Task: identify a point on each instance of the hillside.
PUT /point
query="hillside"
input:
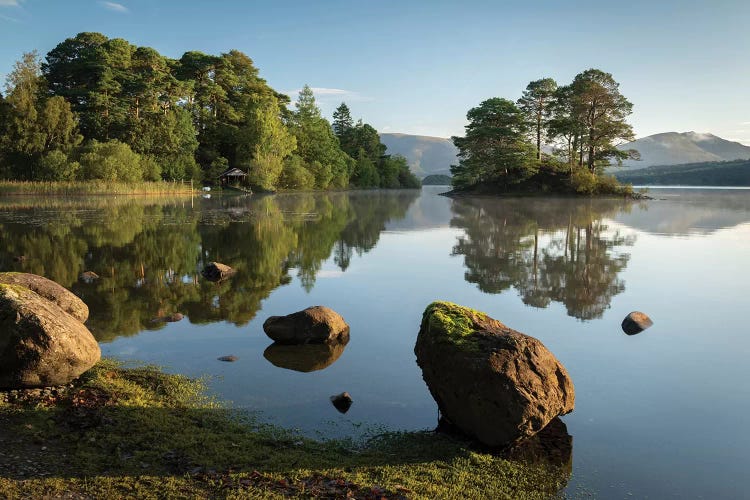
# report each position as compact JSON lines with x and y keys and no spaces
{"x":729,"y":173}
{"x":426,"y":155}
{"x":673,"y":148}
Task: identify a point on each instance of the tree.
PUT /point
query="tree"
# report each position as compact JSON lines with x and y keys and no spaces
{"x":365,"y":174}
{"x":601,"y":111}
{"x":565,"y":126}
{"x":265,"y":142}
{"x":535,"y":103}
{"x":23,"y":141}
{"x":495,"y":149}
{"x":317,"y":144}
{"x":34,"y":125}
{"x":342,"y":121}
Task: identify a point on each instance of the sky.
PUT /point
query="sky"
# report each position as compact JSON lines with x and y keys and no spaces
{"x":417,"y":67}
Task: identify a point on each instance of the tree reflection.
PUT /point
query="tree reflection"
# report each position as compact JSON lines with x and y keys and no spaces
{"x":548,"y":250}
{"x":149,"y":254}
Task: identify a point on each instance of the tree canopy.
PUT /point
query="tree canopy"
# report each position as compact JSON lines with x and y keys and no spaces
{"x":174,"y":119}
{"x":582,"y":123}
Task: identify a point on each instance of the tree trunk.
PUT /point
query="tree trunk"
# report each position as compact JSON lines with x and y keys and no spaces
{"x":539,"y":135}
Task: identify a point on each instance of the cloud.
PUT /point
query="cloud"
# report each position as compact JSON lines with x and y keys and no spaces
{"x":744,"y":123}
{"x":326,"y":93}
{"x":10,"y":3}
{"x":11,"y":19}
{"x":113,"y":6}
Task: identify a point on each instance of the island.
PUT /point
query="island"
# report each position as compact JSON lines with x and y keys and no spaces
{"x":504,"y":149}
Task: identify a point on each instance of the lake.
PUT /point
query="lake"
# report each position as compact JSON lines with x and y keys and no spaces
{"x":659,"y":414}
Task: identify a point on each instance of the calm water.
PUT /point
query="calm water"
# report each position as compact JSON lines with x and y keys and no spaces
{"x":660,"y":414}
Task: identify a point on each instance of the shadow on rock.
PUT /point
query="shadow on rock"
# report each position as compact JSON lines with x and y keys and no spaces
{"x":304,"y":358}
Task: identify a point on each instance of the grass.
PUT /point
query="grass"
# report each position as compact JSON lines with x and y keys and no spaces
{"x":140,"y":433}
{"x":94,"y":187}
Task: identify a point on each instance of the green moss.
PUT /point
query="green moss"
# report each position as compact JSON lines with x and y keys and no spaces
{"x":141,"y":433}
{"x":15,"y":289}
{"x":452,"y":323}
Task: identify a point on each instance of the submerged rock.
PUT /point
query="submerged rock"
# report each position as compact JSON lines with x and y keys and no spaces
{"x":64,"y":298}
{"x":304,"y":358}
{"x":88,"y":277}
{"x":342,"y":402}
{"x":40,"y":344}
{"x":314,"y":325}
{"x":228,"y":359}
{"x":216,"y":271}
{"x":493,"y":383}
{"x":173,"y":318}
{"x":636,"y":322}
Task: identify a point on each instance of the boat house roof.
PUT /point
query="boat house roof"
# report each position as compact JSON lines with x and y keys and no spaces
{"x":232,"y":172}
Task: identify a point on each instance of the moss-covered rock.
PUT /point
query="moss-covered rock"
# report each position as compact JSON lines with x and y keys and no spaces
{"x":40,"y":344}
{"x":493,"y":383}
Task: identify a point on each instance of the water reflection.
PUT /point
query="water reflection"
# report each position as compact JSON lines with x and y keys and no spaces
{"x":683,"y":212}
{"x":304,"y":358}
{"x":548,"y":250}
{"x":553,"y":445}
{"x":148,"y":254}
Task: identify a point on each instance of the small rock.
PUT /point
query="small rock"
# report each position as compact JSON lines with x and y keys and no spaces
{"x":228,"y":359}
{"x":342,"y":402}
{"x":314,"y":325}
{"x":216,"y":271}
{"x":636,"y":322}
{"x":173,"y":318}
{"x":88,"y":277}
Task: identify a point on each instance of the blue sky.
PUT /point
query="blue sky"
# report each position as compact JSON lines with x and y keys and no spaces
{"x":418,"y":66}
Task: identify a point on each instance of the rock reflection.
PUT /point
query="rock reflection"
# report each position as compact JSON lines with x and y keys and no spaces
{"x":551,"y":446}
{"x":304,"y":358}
{"x":548,"y":250}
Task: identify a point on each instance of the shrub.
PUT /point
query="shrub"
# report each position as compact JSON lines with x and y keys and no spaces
{"x":295,"y":175}
{"x":111,"y":161}
{"x":55,"y":166}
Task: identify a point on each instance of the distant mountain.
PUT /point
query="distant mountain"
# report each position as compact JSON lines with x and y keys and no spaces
{"x":426,"y":155}
{"x":725,"y":173}
{"x":674,"y":148}
{"x":437,"y":180}
{"x":434,"y":155}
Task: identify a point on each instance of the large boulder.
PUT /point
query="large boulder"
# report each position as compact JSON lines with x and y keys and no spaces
{"x":40,"y":344}
{"x":67,"y":300}
{"x":314,"y":325}
{"x":493,"y":383}
{"x":216,"y":271}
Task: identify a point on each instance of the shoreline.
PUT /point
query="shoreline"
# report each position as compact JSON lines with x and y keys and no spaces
{"x":138,"y":432}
